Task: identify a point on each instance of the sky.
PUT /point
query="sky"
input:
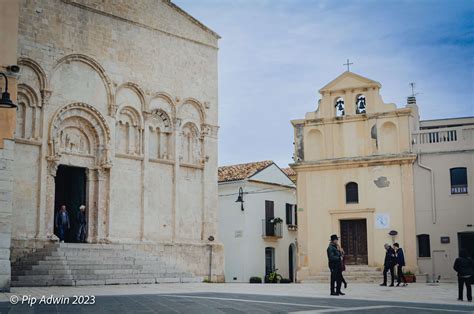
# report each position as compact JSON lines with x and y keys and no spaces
{"x":275,"y":55}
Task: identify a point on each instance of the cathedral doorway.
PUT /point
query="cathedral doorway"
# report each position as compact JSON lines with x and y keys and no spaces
{"x":70,"y":190}
{"x":354,"y":241}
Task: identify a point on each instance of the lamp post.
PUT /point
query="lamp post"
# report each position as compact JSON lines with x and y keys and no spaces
{"x":5,"y":101}
{"x":240,"y":198}
{"x":211,"y":239}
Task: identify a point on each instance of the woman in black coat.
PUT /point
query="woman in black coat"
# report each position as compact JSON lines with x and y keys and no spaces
{"x":465,"y":269}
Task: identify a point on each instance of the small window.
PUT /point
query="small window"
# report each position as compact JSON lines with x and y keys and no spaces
{"x":289,"y":214}
{"x":424,"y":249}
{"x":458,"y":180}
{"x":352,"y":193}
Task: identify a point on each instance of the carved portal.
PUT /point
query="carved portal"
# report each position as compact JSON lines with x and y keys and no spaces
{"x":79,"y":136}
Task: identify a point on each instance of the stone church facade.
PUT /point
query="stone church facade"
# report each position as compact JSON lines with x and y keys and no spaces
{"x":118,"y":103}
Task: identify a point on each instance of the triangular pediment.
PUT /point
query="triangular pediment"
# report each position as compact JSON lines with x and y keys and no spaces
{"x":349,"y":80}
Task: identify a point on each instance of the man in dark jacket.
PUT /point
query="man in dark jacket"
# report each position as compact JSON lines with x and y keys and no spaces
{"x":62,"y":222}
{"x":400,"y":264}
{"x":463,"y":265}
{"x":82,"y":223}
{"x":389,"y":265}
{"x":335,"y":266}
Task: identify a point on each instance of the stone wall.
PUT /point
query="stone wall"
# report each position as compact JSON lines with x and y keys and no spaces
{"x":6,"y":187}
{"x":130,"y":94}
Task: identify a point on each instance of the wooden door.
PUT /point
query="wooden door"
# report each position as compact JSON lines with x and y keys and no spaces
{"x":354,"y":241}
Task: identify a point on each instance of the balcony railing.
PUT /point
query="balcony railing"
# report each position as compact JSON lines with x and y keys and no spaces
{"x":435,"y":137}
{"x":271,"y":229}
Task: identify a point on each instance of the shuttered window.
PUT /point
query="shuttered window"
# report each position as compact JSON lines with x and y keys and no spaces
{"x":289,"y":214}
{"x":352,"y":193}
{"x":458,"y":180}
{"x":424,"y":249}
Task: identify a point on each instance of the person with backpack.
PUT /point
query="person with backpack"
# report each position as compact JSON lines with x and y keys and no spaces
{"x":463,"y":265}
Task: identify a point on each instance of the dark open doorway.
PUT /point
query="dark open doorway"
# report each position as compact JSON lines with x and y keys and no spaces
{"x":466,"y":242}
{"x":70,"y":190}
{"x":291,"y":269}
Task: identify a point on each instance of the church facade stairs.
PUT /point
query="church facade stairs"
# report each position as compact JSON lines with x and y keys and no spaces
{"x":70,"y":264}
{"x":353,"y":273}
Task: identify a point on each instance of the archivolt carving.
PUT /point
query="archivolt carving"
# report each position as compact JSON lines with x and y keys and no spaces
{"x":160,"y":135}
{"x":43,"y":81}
{"x":96,"y":67}
{"x":165,"y":97}
{"x":137,"y":90}
{"x":80,"y":129}
{"x":28,"y":124}
{"x":199,"y":107}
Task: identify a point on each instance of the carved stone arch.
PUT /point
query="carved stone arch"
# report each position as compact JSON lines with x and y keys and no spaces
{"x":29,"y":114}
{"x":191,"y":144}
{"x":37,"y":69}
{"x":160,"y":132}
{"x":138,"y":90}
{"x":168,"y":99}
{"x":134,"y":115}
{"x":161,"y":118}
{"x":85,"y":118}
{"x":97,"y":68}
{"x":199,"y":107}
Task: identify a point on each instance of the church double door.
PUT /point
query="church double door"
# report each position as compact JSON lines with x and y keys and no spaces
{"x":354,"y":241}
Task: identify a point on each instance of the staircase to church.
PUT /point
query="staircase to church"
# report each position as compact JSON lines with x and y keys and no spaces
{"x":353,"y":273}
{"x":69,"y":264}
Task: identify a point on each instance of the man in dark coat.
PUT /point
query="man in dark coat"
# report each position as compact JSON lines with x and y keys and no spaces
{"x":62,"y":222}
{"x":82,"y":223}
{"x":400,"y":264}
{"x":463,"y":265}
{"x":335,"y":266}
{"x":389,"y":265}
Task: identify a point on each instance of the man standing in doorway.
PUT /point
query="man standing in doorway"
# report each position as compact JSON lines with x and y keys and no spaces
{"x":62,"y":222}
{"x":400,"y":264}
{"x":82,"y":223}
{"x":335,"y":266}
{"x":389,"y":265}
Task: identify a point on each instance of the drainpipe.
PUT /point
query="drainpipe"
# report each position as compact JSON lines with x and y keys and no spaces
{"x":433,"y":203}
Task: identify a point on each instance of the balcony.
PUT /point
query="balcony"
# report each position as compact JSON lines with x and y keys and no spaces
{"x":444,"y":139}
{"x":271,"y":230}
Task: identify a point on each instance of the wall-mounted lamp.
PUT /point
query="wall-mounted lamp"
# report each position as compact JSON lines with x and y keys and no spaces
{"x":5,"y":101}
{"x":393,"y":234}
{"x":240,"y":198}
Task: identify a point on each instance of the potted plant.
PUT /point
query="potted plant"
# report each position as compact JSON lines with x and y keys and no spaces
{"x":255,"y":279}
{"x":410,"y":276}
{"x":273,"y":277}
{"x":285,"y":280}
{"x":276,"y":220}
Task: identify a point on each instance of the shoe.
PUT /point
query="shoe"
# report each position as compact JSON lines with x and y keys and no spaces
{"x":345,"y":285}
{"x":460,"y":300}
{"x":334,"y":294}
{"x":392,"y":285}
{"x":398,"y":284}
{"x":469,"y":300}
{"x":405,"y":284}
{"x":62,"y":241}
{"x":340,"y":293}
{"x":383,"y":284}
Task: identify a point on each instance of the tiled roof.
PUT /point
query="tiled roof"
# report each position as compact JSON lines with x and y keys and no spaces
{"x":289,"y":171}
{"x":242,"y":171}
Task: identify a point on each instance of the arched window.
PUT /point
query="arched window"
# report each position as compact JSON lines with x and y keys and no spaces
{"x":340,"y":109}
{"x":159,"y":138}
{"x":360,"y":104}
{"x":129,"y":132}
{"x":458,"y":180}
{"x":352,"y":193}
{"x":190,"y":144}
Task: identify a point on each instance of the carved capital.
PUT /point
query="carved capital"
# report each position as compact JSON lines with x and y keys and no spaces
{"x":53,"y":163}
{"x":45,"y":96}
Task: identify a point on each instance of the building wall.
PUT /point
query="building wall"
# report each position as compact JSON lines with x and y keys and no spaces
{"x":98,"y":81}
{"x":451,"y":213}
{"x":373,"y":149}
{"x":241,"y":231}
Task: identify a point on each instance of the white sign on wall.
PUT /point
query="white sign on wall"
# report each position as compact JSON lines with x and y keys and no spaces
{"x":382,"y":221}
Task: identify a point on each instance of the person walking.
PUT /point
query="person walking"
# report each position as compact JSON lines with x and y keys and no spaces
{"x":335,"y":266}
{"x":82,"y":224}
{"x":62,"y":222}
{"x":343,"y":265}
{"x":389,"y":265}
{"x":463,"y":265}
{"x":400,"y":264}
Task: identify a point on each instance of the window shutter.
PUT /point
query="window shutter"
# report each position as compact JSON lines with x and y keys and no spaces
{"x":288,"y":214}
{"x":424,"y":249}
{"x":296,"y":214}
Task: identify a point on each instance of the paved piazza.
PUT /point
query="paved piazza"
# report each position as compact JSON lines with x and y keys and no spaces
{"x":242,"y":298}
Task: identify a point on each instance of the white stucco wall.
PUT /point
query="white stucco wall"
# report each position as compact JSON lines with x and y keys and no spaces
{"x":245,"y":255}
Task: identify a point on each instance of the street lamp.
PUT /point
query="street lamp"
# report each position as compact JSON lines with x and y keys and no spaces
{"x":240,"y":198}
{"x":5,"y":101}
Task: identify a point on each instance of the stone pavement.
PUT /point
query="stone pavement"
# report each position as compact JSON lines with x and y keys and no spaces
{"x":445,"y":293}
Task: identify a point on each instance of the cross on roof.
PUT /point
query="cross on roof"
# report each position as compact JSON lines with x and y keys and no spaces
{"x":348,"y":64}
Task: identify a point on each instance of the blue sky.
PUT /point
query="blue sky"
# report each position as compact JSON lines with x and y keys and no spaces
{"x":275,"y":55}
